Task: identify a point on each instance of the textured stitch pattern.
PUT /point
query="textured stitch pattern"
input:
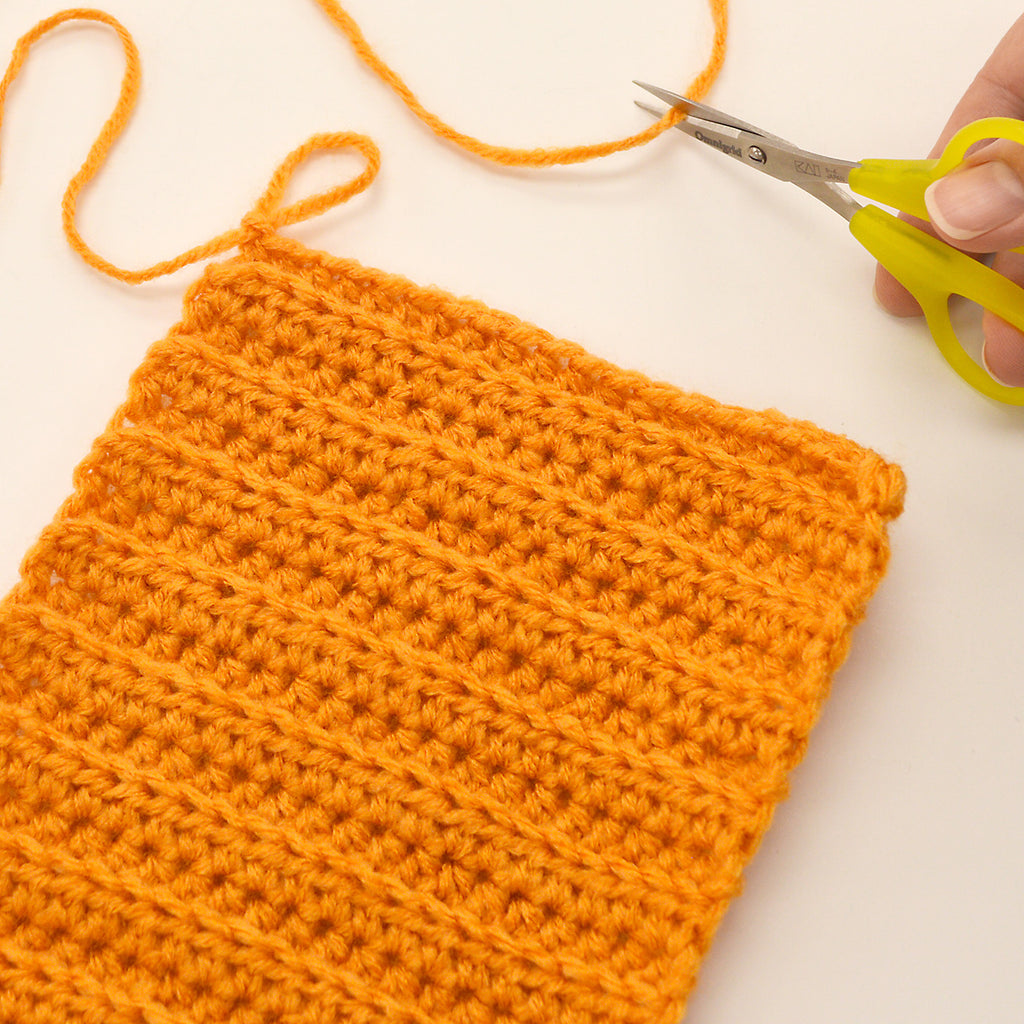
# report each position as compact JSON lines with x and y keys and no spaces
{"x":396,"y":661}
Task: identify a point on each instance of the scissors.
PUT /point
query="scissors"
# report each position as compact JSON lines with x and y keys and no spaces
{"x":932,"y":271}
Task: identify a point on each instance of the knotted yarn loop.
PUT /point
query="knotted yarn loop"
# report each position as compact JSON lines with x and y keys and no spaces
{"x":268,"y":215}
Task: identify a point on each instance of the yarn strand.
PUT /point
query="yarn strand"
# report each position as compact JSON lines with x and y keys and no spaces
{"x":513,"y":157}
{"x":267,"y":207}
{"x":267,"y":212}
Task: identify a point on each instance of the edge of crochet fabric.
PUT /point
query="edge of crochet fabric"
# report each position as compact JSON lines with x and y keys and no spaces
{"x":394,"y":660}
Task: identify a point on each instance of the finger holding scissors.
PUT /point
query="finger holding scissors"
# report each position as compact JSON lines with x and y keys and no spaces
{"x":983,"y":198}
{"x":930,"y":269}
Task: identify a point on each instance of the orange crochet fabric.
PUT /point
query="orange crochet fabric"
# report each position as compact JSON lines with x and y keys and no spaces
{"x":394,"y":661}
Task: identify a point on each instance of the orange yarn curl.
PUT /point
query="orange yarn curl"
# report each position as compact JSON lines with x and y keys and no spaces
{"x":317,"y":204}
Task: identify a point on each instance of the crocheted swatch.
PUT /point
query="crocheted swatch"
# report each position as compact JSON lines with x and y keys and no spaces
{"x":396,"y":661}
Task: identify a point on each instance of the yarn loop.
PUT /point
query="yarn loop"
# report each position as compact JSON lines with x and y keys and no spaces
{"x":313,"y":205}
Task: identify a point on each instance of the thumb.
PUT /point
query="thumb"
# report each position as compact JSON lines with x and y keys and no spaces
{"x":979,"y":207}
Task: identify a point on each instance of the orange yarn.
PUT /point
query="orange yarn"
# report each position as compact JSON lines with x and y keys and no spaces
{"x":229,"y":239}
{"x":396,"y":661}
{"x":533,"y":157}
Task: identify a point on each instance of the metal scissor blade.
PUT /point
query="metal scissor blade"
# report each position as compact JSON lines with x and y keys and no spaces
{"x":718,"y":117}
{"x":705,"y":113}
{"x":763,"y":151}
{"x":817,"y":175}
{"x":731,"y":141}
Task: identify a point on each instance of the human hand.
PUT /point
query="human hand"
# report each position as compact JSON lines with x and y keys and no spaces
{"x":979,"y":207}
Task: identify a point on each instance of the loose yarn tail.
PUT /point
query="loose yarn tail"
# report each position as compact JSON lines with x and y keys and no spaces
{"x":509,"y":156}
{"x":268,"y":214}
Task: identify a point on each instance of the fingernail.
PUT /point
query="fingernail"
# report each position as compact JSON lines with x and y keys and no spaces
{"x":1005,"y":363}
{"x":971,"y":202}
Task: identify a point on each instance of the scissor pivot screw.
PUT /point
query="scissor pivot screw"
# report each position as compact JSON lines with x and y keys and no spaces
{"x":758,"y":155}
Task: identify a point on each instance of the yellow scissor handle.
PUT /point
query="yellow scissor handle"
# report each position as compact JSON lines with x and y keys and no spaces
{"x":901,"y":184}
{"x":929,"y":269}
{"x":932,"y":272}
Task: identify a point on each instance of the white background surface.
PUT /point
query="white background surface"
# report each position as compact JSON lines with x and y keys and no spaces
{"x":890,"y":886}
